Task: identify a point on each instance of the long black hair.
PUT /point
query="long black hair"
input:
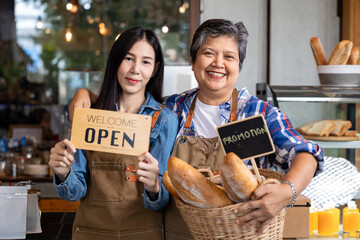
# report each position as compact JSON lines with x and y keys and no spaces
{"x":111,"y":90}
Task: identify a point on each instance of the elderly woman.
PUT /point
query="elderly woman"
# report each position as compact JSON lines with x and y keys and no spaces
{"x":217,"y":53}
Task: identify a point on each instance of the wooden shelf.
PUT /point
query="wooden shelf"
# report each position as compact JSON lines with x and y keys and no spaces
{"x":58,"y":205}
{"x":6,"y":178}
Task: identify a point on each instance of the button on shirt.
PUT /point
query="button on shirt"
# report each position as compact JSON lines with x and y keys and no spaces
{"x":287,"y":141}
{"x":162,"y":140}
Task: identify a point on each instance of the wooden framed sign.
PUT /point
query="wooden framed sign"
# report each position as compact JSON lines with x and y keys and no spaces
{"x":110,"y":131}
{"x":248,"y":138}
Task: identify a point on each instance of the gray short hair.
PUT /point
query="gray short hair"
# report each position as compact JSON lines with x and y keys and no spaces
{"x":216,"y":28}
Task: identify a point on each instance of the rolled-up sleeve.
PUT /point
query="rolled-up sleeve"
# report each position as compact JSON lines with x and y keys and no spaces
{"x":288,"y":142}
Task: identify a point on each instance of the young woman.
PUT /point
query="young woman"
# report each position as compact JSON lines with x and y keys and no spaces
{"x":114,"y":204}
{"x":217,"y":53}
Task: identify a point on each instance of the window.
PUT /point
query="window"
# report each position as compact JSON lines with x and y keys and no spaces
{"x":76,"y":35}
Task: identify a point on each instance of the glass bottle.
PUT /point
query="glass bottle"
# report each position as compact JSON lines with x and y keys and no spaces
{"x":328,"y":222}
{"x":351,"y":219}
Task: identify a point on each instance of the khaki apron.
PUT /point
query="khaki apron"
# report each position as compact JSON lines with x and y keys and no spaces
{"x":199,"y":152}
{"x":113,"y":207}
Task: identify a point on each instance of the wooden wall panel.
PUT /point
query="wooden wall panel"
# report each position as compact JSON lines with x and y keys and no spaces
{"x":351,"y":21}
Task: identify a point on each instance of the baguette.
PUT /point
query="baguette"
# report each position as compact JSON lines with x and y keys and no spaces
{"x":193,"y":187}
{"x":168,"y":185}
{"x":341,"y":53}
{"x":238,"y":181}
{"x":318,"y":51}
{"x":354,"y":56}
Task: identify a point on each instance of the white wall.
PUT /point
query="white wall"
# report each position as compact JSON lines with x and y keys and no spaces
{"x":253,"y":14}
{"x":293,"y":23}
{"x":178,"y":79}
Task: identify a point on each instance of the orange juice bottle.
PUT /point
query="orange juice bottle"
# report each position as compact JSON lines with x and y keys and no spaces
{"x":313,"y":224}
{"x":328,"y":222}
{"x":351,"y":219}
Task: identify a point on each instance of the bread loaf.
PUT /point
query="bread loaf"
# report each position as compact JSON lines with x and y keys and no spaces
{"x":324,"y":128}
{"x":238,"y":181}
{"x":168,"y":185}
{"x":351,"y":133}
{"x":341,"y":127}
{"x":193,"y":187}
{"x":318,"y":51}
{"x":303,"y":128}
{"x":341,"y":53}
{"x":354,"y":56}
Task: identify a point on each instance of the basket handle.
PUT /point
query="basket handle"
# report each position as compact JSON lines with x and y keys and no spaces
{"x":205,"y":170}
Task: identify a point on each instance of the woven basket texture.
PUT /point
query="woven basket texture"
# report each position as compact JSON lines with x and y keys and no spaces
{"x":219,"y":223}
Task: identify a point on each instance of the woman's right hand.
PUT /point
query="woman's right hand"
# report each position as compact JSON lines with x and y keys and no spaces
{"x":62,"y":158}
{"x":81,"y":99}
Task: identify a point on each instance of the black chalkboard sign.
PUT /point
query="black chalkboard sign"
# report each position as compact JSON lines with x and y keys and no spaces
{"x":247,"y":138}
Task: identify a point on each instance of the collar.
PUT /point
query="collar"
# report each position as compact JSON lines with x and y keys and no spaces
{"x":150,"y":102}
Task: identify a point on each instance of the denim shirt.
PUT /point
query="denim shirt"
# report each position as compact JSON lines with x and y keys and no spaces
{"x":162,"y":140}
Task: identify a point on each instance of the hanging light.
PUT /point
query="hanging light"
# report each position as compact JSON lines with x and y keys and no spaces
{"x":165,"y":29}
{"x":69,"y":5}
{"x":68,"y":35}
{"x":182,"y":9}
{"x":102,"y":29}
{"x":74,"y":9}
{"x":87,"y":6}
{"x":39,"y":24}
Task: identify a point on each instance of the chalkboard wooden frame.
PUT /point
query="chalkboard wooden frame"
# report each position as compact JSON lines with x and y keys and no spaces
{"x":242,"y":126}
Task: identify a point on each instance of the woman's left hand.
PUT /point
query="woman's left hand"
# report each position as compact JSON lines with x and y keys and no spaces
{"x":266,"y":201}
{"x":147,"y":171}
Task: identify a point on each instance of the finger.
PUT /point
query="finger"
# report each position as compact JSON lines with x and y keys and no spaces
{"x":56,"y":152}
{"x":146,"y":174}
{"x":69,"y":146}
{"x":255,"y":218}
{"x":63,"y":159}
{"x":56,"y":164}
{"x":259,"y":192}
{"x":263,"y":226}
{"x":247,"y":206}
{"x":65,"y":144}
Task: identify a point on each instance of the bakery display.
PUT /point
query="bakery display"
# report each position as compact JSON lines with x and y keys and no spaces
{"x":344,"y":53}
{"x":333,"y":129}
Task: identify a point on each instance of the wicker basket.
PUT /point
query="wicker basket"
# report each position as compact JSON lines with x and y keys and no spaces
{"x":219,"y":223}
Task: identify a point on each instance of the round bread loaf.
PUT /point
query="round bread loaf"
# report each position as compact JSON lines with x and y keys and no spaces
{"x":238,"y":181}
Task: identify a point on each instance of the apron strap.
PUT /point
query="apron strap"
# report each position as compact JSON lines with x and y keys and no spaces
{"x":155,"y":116}
{"x":190,"y":114}
{"x":234,"y":102}
{"x":233,"y":114}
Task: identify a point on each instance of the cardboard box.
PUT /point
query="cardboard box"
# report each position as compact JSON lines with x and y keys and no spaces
{"x":297,"y":219}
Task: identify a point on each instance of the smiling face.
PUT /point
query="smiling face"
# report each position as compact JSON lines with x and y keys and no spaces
{"x":216,"y":68}
{"x":136,"y":69}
